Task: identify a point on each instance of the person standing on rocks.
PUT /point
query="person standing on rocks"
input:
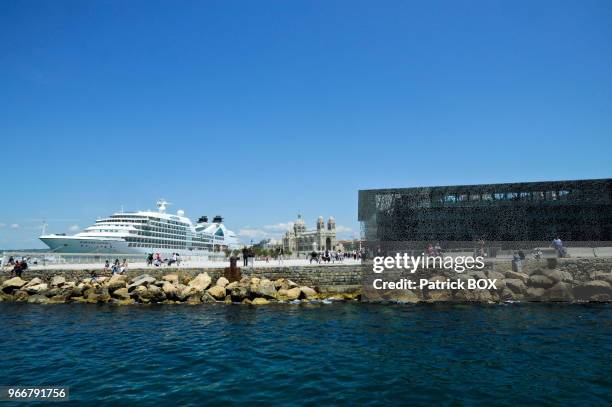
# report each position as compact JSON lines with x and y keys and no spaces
{"x":19,"y":267}
{"x":115,"y":268}
{"x":517,"y":263}
{"x":558,"y":245}
{"x":124,"y":266}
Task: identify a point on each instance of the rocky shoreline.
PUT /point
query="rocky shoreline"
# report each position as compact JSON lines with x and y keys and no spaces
{"x":169,"y":289}
{"x":566,"y":280}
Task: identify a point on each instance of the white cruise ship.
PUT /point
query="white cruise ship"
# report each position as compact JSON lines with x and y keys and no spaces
{"x":147,"y":232}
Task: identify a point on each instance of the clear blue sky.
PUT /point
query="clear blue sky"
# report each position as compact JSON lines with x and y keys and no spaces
{"x":259,"y":110}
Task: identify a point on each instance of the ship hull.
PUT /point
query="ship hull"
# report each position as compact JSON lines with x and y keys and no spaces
{"x":71,"y":244}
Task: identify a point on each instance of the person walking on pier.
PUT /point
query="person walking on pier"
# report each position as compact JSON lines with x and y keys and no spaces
{"x":281,"y":252}
{"x":245,"y":256}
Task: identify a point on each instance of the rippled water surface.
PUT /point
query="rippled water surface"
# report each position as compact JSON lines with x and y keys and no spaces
{"x":353,"y":354}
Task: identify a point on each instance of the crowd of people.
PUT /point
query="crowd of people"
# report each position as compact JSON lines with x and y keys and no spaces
{"x":434,"y":250}
{"x":328,"y":256}
{"x":117,"y":267}
{"x":19,"y":266}
{"x":156,"y":259}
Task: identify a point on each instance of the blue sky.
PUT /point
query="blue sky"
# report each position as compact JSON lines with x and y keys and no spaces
{"x":262,"y":110}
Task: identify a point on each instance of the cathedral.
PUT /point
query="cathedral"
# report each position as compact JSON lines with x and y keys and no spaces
{"x":301,"y":242}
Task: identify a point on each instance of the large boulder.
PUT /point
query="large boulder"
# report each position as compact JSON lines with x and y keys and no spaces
{"x":290,"y":284}
{"x":59,"y":299}
{"x":508,"y":295}
{"x":34,"y":281}
{"x":14,"y":283}
{"x":535,"y":294}
{"x":240,"y":292}
{"x":201,"y":282}
{"x":259,"y":301}
{"x":58,"y":281}
{"x":97,"y":294}
{"x":116,"y":282}
{"x":539,"y":281}
{"x":207,"y":298}
{"x":154,"y":294}
{"x":217,"y":292}
{"x":170,"y":290}
{"x":121,"y":294}
{"x":265,"y":289}
{"x":38,"y":299}
{"x":482,"y":296}
{"x":492,"y":274}
{"x":597,"y":290}
{"x":399,"y":296}
{"x":516,"y":285}
{"x":126,"y":301}
{"x":222,"y":282}
{"x":184,"y":292}
{"x":143,"y":280}
{"x":475,"y":274}
{"x":519,"y":276}
{"x":284,"y":284}
{"x":307,"y":292}
{"x":443,"y":295}
{"x":556,"y":276}
{"x":53,"y":291}
{"x":139,"y":294}
{"x":603,"y":277}
{"x":20,"y":295}
{"x":194,"y":298}
{"x":559,"y":292}
{"x":36,"y":289}
{"x":77,"y":291}
{"x":171,"y":278}
{"x":289,"y":294}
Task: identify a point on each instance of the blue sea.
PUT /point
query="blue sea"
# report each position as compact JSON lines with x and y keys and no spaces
{"x":340,"y":354}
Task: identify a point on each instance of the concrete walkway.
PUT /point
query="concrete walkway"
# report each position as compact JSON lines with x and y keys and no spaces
{"x":197,"y":264}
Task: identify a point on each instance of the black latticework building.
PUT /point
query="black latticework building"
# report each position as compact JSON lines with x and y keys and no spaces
{"x":578,"y":211}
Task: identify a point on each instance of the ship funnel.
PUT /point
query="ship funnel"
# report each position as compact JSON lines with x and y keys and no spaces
{"x":203,"y":219}
{"x":218,"y":219}
{"x":162,"y":204}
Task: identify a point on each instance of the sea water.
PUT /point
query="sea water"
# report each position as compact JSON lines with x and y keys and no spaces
{"x":320,"y":354}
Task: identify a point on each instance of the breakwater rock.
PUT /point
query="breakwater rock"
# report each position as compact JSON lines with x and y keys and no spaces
{"x":168,"y":289}
{"x":564,"y":280}
{"x":567,"y":280}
